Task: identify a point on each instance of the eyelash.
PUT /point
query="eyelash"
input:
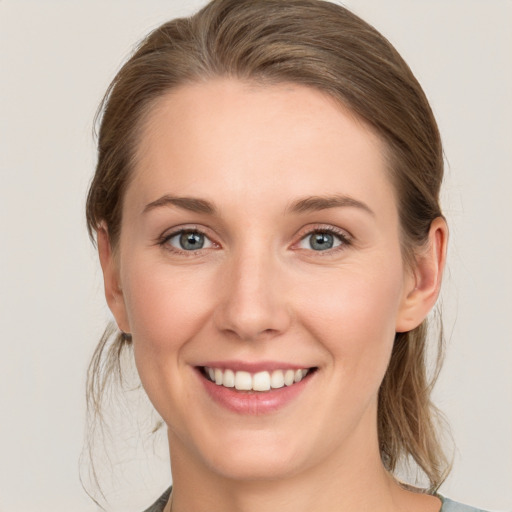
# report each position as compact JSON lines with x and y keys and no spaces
{"x":342,"y":236}
{"x":163,"y":241}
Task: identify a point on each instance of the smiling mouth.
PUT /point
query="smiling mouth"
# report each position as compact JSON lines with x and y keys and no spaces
{"x":261,"y":382}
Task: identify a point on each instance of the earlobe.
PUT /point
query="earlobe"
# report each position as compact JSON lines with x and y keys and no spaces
{"x":112,"y":285}
{"x":423,"y":289}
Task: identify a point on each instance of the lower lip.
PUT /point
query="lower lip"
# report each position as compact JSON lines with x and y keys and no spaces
{"x":255,"y":402}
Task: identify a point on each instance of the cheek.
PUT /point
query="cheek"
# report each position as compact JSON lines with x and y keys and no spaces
{"x":164,"y":307}
{"x":354,"y":312}
{"x":167,"y":309}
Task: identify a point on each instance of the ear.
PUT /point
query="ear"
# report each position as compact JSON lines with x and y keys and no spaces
{"x":113,"y":290}
{"x":424,"y":284}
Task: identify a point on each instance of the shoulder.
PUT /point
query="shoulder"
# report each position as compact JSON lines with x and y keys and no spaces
{"x":160,"y":503}
{"x":454,"y":506}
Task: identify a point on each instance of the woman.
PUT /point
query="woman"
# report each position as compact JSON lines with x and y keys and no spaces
{"x":266,"y":209}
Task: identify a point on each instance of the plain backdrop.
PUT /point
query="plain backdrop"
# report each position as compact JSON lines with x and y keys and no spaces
{"x":56,"y":60}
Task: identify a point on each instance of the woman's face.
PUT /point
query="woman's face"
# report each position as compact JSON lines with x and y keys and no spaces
{"x":260,"y":242}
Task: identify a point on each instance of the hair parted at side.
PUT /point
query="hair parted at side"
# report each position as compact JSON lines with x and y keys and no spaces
{"x":321,"y":45}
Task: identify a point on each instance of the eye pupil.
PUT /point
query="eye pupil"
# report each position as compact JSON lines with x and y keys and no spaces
{"x":191,"y":241}
{"x":322,"y":241}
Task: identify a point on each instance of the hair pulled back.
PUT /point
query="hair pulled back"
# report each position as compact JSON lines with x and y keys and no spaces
{"x":320,"y":45}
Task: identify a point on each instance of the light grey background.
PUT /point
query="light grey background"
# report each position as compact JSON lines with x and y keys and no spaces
{"x":56,"y":59}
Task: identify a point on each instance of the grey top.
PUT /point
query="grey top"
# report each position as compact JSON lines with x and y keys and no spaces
{"x":453,"y":506}
{"x":448,"y":505}
{"x":160,"y":503}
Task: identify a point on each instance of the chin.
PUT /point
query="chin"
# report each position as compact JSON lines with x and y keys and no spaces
{"x":244,"y":454}
{"x":257,"y":465}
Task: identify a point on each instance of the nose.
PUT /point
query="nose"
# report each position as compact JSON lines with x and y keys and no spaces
{"x":253,"y":305}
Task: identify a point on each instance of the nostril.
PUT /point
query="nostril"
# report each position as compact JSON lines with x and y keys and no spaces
{"x":245,"y":312}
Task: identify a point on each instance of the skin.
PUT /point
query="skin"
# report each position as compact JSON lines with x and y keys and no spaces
{"x":259,"y":291}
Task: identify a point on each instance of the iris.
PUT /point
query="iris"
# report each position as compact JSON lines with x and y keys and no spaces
{"x":191,"y":241}
{"x":321,"y":241}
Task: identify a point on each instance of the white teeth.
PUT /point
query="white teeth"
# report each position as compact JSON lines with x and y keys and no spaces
{"x":260,"y":381}
{"x":229,"y":379}
{"x":277,"y":379}
{"x":289,"y":377}
{"x":243,"y":381}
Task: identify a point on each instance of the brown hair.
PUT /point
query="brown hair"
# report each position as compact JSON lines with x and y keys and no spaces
{"x":320,"y":45}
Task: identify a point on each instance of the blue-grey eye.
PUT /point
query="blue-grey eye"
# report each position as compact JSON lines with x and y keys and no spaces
{"x":189,"y":241}
{"x":320,"y":241}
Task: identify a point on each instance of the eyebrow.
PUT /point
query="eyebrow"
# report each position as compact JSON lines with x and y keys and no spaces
{"x":187,"y":203}
{"x":303,"y":205}
{"x":316,"y":203}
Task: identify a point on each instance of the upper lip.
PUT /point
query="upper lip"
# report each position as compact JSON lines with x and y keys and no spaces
{"x":254,"y":366}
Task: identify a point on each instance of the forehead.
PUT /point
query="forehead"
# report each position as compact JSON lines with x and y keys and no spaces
{"x":227,"y":137}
